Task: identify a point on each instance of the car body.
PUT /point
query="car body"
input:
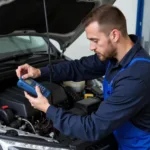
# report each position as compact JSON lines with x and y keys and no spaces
{"x":25,"y":29}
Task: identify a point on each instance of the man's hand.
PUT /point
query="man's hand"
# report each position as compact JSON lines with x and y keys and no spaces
{"x":25,"y":71}
{"x":41,"y":103}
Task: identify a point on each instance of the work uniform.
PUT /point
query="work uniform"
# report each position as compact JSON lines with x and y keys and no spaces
{"x":125,"y":110}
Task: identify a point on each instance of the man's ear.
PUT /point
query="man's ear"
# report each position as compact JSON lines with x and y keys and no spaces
{"x":115,"y":35}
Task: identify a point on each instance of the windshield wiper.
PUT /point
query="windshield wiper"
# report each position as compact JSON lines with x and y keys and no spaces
{"x":21,"y":56}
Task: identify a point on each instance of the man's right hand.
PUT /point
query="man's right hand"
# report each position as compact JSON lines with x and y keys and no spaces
{"x":26,"y":71}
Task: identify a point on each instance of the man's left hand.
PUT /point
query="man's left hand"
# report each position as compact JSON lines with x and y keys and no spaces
{"x":40,"y":102}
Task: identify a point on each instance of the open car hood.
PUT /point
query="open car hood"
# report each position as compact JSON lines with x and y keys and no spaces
{"x":23,"y":17}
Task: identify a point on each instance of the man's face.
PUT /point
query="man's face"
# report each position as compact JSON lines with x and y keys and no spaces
{"x":100,"y":43}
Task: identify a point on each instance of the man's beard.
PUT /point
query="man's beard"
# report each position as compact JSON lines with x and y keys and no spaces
{"x":102,"y":57}
{"x":110,"y":54}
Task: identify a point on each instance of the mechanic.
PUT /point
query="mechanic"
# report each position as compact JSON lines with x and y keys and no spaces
{"x":125,"y":110}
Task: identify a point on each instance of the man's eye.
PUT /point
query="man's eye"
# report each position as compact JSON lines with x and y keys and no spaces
{"x":95,"y":41}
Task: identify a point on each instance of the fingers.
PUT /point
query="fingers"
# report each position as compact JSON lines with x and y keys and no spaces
{"x":18,"y":72}
{"x":38,"y":91}
{"x":22,"y":70}
{"x":30,"y":98}
{"x":40,"y":103}
{"x":25,"y":76}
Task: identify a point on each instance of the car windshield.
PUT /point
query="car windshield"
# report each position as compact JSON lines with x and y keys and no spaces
{"x":18,"y":44}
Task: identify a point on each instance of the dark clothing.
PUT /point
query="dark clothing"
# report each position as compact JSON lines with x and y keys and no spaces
{"x":129,"y":100}
{"x":128,"y":136}
{"x":86,"y":68}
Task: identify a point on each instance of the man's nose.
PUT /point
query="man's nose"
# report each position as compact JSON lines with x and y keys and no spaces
{"x":92,"y":46}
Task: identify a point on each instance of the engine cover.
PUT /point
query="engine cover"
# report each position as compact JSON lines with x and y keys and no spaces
{"x":14,"y":98}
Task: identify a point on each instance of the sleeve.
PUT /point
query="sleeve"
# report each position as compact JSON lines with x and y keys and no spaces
{"x":127,"y":99}
{"x":86,"y":68}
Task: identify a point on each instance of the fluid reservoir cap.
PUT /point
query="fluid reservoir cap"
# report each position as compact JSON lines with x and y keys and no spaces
{"x":75,"y":86}
{"x":4,"y":107}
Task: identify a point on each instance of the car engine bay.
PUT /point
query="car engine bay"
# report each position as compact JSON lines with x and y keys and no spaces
{"x":16,"y":111}
{"x":19,"y":118}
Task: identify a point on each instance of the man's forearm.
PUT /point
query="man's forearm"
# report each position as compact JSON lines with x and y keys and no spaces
{"x":86,"y":68}
{"x":85,"y":128}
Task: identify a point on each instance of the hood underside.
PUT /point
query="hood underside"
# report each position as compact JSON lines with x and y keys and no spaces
{"x":64,"y":17}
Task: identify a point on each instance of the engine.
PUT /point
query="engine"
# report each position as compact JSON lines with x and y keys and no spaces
{"x":16,"y":111}
{"x":14,"y":98}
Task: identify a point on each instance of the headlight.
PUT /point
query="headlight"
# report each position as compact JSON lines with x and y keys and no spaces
{"x":6,"y":144}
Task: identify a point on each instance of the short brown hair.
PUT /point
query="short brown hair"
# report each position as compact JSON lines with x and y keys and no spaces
{"x":109,"y":17}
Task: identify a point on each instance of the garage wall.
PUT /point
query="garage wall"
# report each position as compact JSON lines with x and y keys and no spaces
{"x":129,"y":8}
{"x":81,"y":46}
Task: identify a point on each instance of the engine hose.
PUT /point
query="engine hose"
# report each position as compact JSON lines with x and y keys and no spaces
{"x":28,"y":123}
